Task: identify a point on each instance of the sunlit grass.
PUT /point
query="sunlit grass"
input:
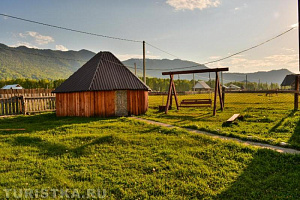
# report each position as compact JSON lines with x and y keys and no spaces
{"x":133,"y":160}
{"x":266,"y":119}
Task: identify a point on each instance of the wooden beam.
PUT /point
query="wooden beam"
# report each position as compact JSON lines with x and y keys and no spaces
{"x":264,"y":91}
{"x":175,"y":95}
{"x":219,"y":91}
{"x":232,"y":118}
{"x":215,"y":97}
{"x":197,"y":71}
{"x":169,"y":94}
{"x":223,"y":96}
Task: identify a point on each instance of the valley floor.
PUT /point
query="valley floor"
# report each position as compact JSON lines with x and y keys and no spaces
{"x":267,"y":119}
{"x":134,"y":160}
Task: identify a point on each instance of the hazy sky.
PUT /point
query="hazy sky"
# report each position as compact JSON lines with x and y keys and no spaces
{"x":196,"y":30}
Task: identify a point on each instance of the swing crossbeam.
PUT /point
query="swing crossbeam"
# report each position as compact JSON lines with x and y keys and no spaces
{"x":200,"y":102}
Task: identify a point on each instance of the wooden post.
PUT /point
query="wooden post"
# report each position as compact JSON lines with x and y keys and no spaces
{"x":175,"y":95}
{"x":223,"y":96}
{"x":144,"y":62}
{"x":23,"y":105}
{"x":220,"y":93}
{"x":215,"y":97}
{"x":296,"y":98}
{"x":169,"y":94}
{"x":135,"y":68}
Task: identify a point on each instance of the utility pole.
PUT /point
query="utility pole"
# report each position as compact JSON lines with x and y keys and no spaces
{"x":299,"y":32}
{"x":258,"y":83}
{"x":135,"y":68}
{"x":194,"y":82}
{"x":144,"y":62}
{"x":246,"y":82}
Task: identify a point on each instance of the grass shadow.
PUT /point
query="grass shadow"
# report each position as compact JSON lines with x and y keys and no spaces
{"x":295,"y":138}
{"x":273,"y":129}
{"x":41,"y":122}
{"x":186,"y":118}
{"x":47,"y":148}
{"x":270,"y":175}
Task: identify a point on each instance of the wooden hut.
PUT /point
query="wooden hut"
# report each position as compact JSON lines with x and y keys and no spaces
{"x":102,"y":87}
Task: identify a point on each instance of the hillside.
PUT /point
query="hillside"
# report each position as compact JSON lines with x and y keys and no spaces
{"x":16,"y":64}
{"x":23,"y":62}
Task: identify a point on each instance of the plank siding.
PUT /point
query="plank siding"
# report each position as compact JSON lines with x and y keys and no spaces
{"x":99,"y":103}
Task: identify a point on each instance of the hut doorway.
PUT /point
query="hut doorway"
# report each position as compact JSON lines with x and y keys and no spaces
{"x":121,"y":103}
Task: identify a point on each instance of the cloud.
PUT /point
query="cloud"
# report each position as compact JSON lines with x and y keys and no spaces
{"x":123,"y":57}
{"x":26,"y":44}
{"x":61,"y":47}
{"x":38,"y":38}
{"x":277,"y":61}
{"x":294,"y":25}
{"x":193,"y":4}
{"x":240,"y":8}
{"x":214,"y":57}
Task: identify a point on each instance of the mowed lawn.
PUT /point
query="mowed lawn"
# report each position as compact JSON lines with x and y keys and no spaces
{"x":266,"y":119}
{"x":133,"y":160}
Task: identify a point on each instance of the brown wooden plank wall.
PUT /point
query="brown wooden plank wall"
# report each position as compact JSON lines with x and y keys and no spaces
{"x":86,"y":104}
{"x":99,"y":103}
{"x":137,"y":102}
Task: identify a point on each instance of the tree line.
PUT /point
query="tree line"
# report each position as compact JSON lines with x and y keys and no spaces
{"x":156,"y":84}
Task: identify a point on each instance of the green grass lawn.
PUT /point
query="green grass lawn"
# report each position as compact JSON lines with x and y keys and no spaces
{"x":266,"y":119}
{"x":133,"y":160}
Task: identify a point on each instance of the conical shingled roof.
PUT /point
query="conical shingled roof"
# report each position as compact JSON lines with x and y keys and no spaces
{"x":102,"y":72}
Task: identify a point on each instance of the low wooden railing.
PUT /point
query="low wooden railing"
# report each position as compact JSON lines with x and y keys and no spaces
{"x":26,"y":105}
{"x":11,"y":106}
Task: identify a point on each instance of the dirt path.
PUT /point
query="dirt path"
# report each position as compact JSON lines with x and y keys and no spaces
{"x":256,"y":144}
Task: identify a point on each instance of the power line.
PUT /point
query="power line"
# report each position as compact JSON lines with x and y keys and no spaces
{"x":237,"y":53}
{"x":69,"y":29}
{"x":162,"y":50}
{"x":130,"y":40}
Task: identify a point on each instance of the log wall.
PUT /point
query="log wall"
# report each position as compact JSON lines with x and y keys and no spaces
{"x":99,"y":103}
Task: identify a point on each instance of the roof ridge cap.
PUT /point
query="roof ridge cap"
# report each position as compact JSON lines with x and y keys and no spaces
{"x":100,"y":60}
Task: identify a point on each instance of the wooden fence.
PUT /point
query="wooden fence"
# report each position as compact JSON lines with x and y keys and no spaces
{"x":26,"y":101}
{"x":26,"y":93}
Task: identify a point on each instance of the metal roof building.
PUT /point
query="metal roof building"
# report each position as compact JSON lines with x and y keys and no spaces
{"x":102,"y":87}
{"x":14,"y":86}
{"x":289,"y":80}
{"x":201,"y":85}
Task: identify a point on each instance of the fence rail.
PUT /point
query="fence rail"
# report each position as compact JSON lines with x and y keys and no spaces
{"x":25,"y":92}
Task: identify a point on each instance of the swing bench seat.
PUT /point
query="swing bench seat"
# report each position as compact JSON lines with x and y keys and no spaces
{"x":196,"y":103}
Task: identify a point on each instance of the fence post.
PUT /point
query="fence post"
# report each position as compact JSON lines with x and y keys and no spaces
{"x":223,"y":95}
{"x":296,"y":98}
{"x":23,"y":105}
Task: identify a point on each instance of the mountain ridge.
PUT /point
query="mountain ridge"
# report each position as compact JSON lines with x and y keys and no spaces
{"x":24,"y":62}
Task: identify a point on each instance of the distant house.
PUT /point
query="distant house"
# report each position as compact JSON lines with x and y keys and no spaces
{"x":289,"y":81}
{"x":14,"y":86}
{"x":233,"y":87}
{"x":201,"y":86}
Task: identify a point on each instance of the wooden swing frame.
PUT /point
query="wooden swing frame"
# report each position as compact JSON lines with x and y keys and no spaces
{"x":218,"y":89}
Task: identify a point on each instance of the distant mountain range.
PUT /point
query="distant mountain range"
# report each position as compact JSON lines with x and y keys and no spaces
{"x":23,"y":62}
